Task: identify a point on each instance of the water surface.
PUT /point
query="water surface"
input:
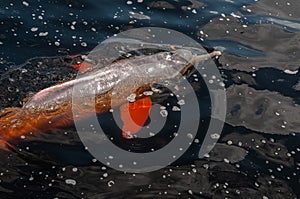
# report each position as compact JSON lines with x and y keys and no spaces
{"x":257,"y":155}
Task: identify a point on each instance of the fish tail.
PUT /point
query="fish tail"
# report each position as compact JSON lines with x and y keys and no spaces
{"x":14,"y":122}
{"x":17,"y":122}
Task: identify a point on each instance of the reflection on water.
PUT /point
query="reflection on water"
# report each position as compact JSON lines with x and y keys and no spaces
{"x":257,"y":155}
{"x":261,"y":110}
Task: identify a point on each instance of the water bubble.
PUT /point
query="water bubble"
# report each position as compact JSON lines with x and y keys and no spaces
{"x":175,"y":108}
{"x":163,"y":107}
{"x":131,"y":97}
{"x":70,"y":181}
{"x":110,"y":183}
{"x":190,"y":136}
{"x":84,"y":44}
{"x":43,"y":34}
{"x":215,"y":136}
{"x":181,"y":102}
{"x":34,"y":29}
{"x":147,"y":93}
{"x":164,"y":113}
{"x":25,"y":3}
{"x":229,"y":142}
{"x":111,"y":157}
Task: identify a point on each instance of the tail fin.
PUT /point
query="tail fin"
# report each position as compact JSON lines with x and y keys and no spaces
{"x":18,"y":122}
{"x":15,"y":122}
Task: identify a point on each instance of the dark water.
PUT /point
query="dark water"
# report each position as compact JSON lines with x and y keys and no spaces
{"x":257,"y":155}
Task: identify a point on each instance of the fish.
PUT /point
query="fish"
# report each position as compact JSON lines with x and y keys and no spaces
{"x":99,"y":91}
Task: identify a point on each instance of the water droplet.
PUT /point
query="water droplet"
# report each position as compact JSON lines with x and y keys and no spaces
{"x":25,"y":3}
{"x":215,"y":136}
{"x":110,"y":183}
{"x":181,"y":102}
{"x":70,"y":181}
{"x":175,"y":108}
{"x":164,"y":113}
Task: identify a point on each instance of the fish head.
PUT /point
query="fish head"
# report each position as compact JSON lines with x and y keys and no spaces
{"x":163,"y":65}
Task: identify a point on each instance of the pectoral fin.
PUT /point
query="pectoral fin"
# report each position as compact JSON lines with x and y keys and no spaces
{"x":80,"y":64}
{"x":134,"y":116}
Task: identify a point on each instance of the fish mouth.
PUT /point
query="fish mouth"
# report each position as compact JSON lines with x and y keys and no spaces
{"x":193,"y":63}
